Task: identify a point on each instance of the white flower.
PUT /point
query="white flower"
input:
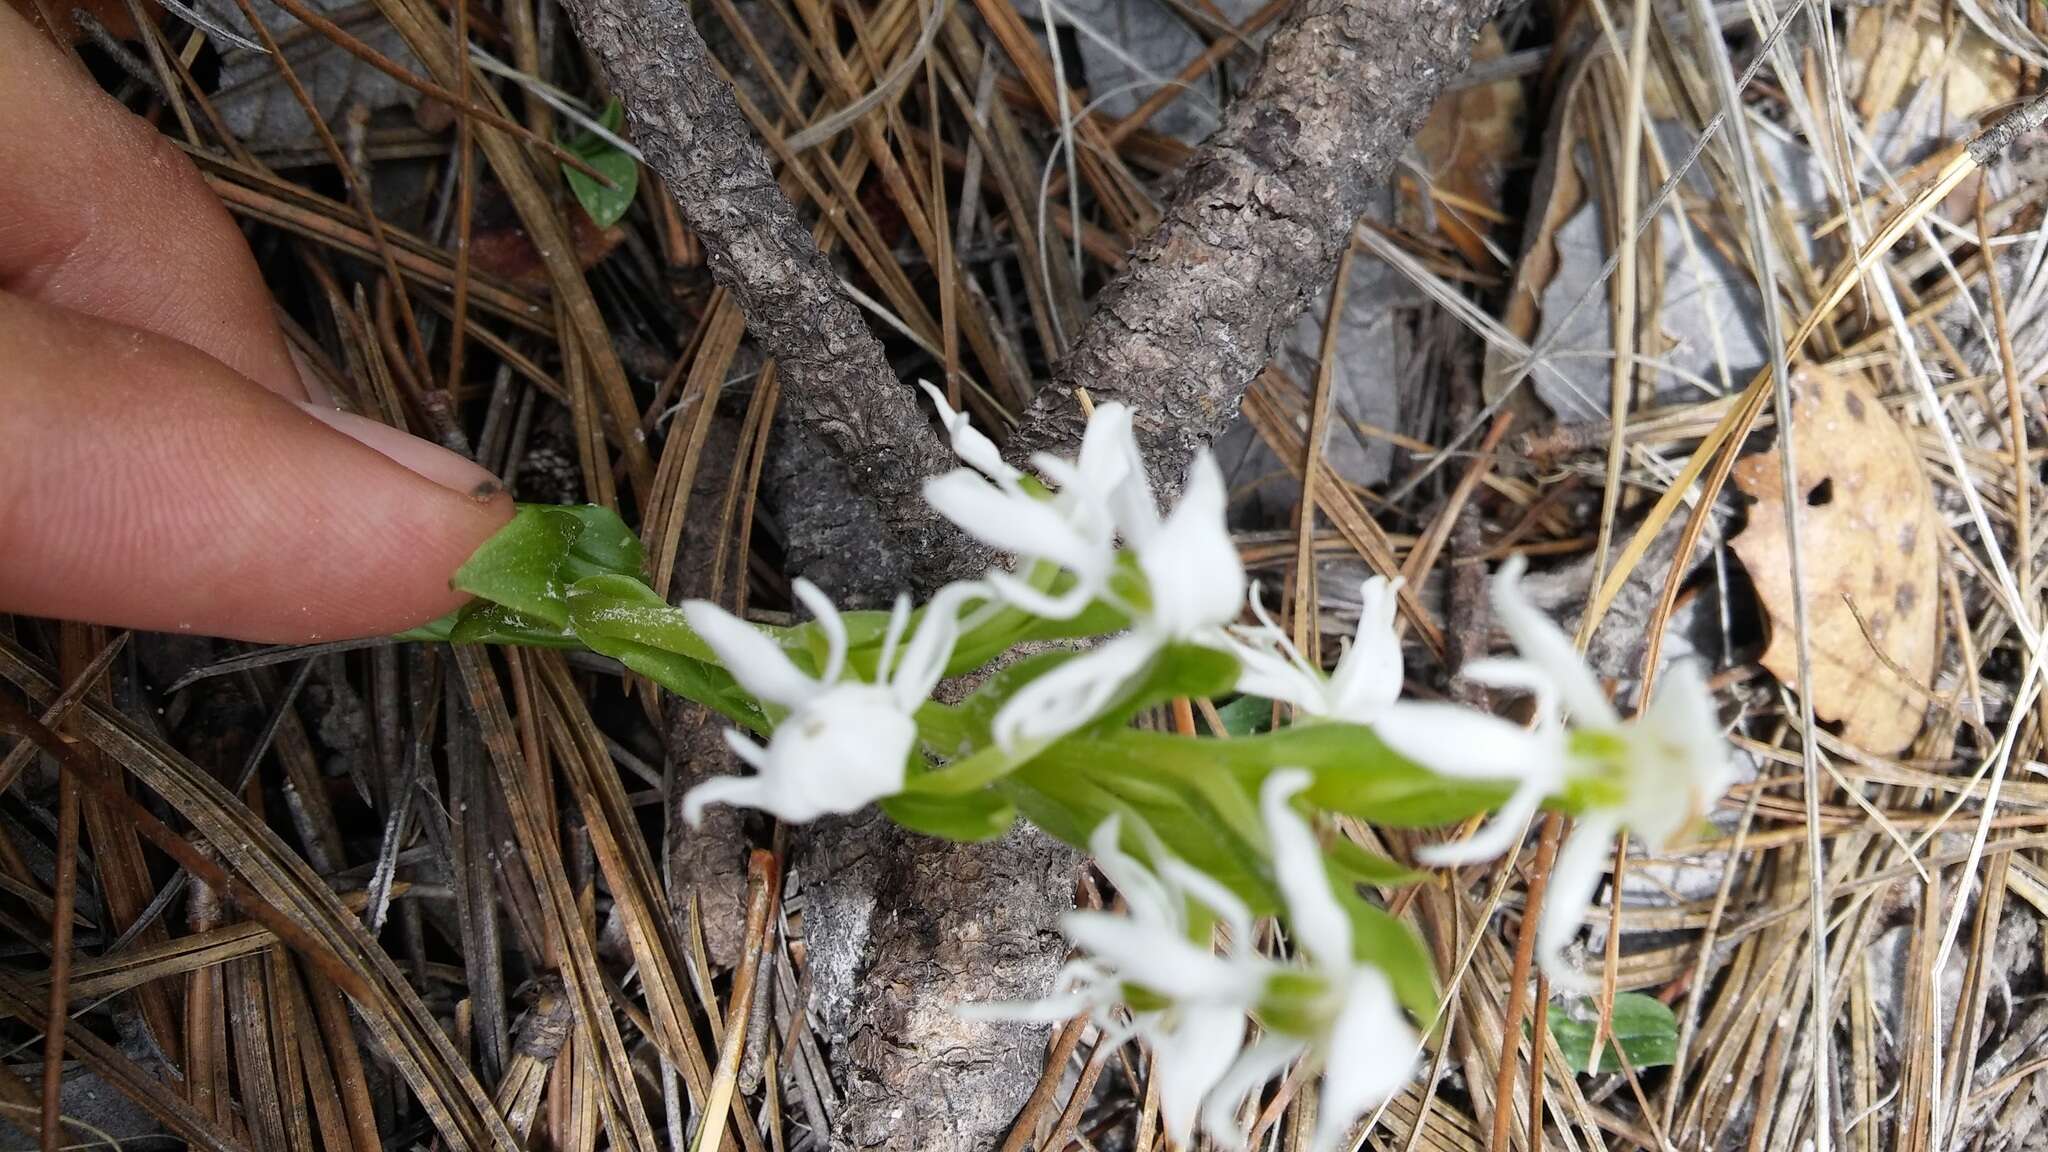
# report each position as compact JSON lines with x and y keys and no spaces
{"x":844,"y":743}
{"x":1365,"y":1045}
{"x":1190,"y":1005}
{"x":1073,"y":528}
{"x":1653,"y":775}
{"x":1193,"y":1003}
{"x":974,"y":450}
{"x":1193,"y":586}
{"x":1366,"y":681}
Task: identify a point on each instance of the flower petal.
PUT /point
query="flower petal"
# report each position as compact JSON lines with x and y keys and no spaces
{"x":1368,"y":675}
{"x":1190,"y":563}
{"x":1071,"y":695}
{"x":1013,"y":522}
{"x":1188,"y":1061}
{"x":1370,"y":1056}
{"x":1065,"y":606}
{"x":1544,"y":644}
{"x":738,"y":791}
{"x":1236,"y":916}
{"x":1452,"y":740}
{"x":1573,"y":881}
{"x":974,"y":449}
{"x":1264,"y":1060}
{"x":925,"y":657}
{"x":1263,"y":670}
{"x":827,"y":616}
{"x":757,"y":662}
{"x":1161,"y":960}
{"x":1319,"y":922}
{"x":1149,"y":901}
{"x":1495,"y":837}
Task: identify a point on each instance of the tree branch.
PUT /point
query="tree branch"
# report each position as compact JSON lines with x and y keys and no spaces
{"x":836,"y":382}
{"x":1256,"y":223}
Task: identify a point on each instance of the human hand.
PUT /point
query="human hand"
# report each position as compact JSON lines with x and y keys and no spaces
{"x":161,"y":463}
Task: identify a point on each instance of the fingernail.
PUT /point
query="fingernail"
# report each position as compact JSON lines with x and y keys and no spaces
{"x":309,"y":378}
{"x":423,"y":457}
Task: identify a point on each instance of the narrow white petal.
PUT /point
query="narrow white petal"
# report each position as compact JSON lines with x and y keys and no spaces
{"x":1161,"y":960}
{"x":757,"y":662}
{"x":1495,"y":837}
{"x":1222,"y":901}
{"x":1318,"y":920}
{"x":1263,"y":671}
{"x":974,"y":449}
{"x":899,"y":619}
{"x":738,"y":791}
{"x":1074,"y":693}
{"x":925,"y":657}
{"x":1452,"y":740}
{"x":827,"y":616}
{"x":1264,"y":1060}
{"x":1016,"y":523}
{"x":1065,"y":606}
{"x":1190,"y":563}
{"x":841,"y":752}
{"x":1189,"y":1060}
{"x":1368,"y":676}
{"x":1370,"y":1056}
{"x":1150,"y":902}
{"x":1573,"y":880}
{"x":1544,"y":644}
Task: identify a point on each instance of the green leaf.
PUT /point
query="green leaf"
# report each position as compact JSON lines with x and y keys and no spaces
{"x":1247,"y":716}
{"x":1377,"y":938}
{"x":969,"y":818}
{"x":605,"y":545}
{"x":1351,"y":771}
{"x":1355,"y":864}
{"x":620,"y":608}
{"x":1643,"y":1026}
{"x":605,"y":206}
{"x":519,"y":567}
{"x":1178,"y":670}
{"x":482,"y":622}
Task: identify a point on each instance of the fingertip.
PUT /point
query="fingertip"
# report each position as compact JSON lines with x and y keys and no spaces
{"x":143,"y":484}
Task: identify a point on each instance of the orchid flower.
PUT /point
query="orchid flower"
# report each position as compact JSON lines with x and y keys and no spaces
{"x":1188,"y":1004}
{"x":1366,"y":681}
{"x":1356,"y":1029}
{"x":1653,"y":775}
{"x":1073,"y":527}
{"x":1193,"y":586}
{"x":844,"y":742}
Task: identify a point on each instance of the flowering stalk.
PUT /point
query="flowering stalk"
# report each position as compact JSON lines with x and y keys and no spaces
{"x":837,"y":714}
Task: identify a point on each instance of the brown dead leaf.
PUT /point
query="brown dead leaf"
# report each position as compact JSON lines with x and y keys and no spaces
{"x":1467,"y":145}
{"x":1869,"y":538}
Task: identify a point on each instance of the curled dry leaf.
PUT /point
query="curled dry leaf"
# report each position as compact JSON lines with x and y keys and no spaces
{"x":1871,"y":547}
{"x":1466,"y":146}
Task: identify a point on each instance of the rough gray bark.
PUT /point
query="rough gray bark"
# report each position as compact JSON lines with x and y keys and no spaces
{"x":901,"y":930}
{"x":1256,"y":223}
{"x":708,"y":862}
{"x":835,"y":380}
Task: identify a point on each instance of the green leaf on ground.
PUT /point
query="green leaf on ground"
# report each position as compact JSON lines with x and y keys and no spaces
{"x":605,"y":206}
{"x":1642,"y":1025}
